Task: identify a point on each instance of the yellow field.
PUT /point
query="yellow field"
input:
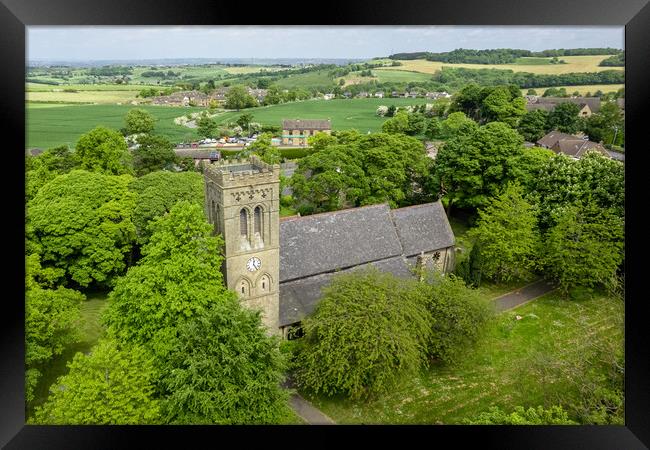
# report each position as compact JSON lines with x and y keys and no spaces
{"x":582,"y":89}
{"x":101,"y":97}
{"x":354,"y":80}
{"x":574,"y":64}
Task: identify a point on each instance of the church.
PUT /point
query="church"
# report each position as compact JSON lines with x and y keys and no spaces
{"x":280,"y":265}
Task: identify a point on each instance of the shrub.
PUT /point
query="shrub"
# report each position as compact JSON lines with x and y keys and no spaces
{"x":364,"y":335}
{"x":520,"y":416}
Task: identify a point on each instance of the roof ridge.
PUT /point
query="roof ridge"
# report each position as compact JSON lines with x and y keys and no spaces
{"x":376,"y":205}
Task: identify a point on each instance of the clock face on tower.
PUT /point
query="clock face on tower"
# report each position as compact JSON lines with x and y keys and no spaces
{"x":253,"y":264}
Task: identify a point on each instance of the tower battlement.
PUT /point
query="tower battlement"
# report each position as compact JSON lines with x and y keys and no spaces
{"x":242,"y":171}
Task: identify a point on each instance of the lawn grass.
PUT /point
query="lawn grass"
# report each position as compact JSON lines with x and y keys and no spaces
{"x":51,"y":126}
{"x":91,"y":330}
{"x":574,"y":64}
{"x":496,"y":372}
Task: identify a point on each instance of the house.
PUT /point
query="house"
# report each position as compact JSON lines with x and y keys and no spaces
{"x":570,"y":145}
{"x":347,"y":94}
{"x":588,"y":105}
{"x":258,"y":94}
{"x":328,"y":96}
{"x":205,"y":155}
{"x":437,"y":95}
{"x":379,"y":94}
{"x":279,"y":266}
{"x":394,"y":94}
{"x":362,"y":95}
{"x":411,"y":94}
{"x":182,"y":98}
{"x":296,"y":132}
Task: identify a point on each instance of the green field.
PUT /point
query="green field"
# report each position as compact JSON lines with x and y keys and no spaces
{"x":499,"y":370}
{"x":398,"y":76}
{"x":306,"y":80}
{"x":358,"y":113}
{"x":48,"y":126}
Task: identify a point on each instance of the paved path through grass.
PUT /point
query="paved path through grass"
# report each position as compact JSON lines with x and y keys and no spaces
{"x":307,"y":412}
{"x":523,"y":295}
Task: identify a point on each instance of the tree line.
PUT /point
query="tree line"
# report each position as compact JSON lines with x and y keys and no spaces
{"x":499,"y":56}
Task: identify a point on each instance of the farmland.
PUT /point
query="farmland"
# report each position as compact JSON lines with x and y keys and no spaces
{"x":585,"y":89}
{"x":358,"y":113}
{"x":51,"y":125}
{"x":573,"y":64}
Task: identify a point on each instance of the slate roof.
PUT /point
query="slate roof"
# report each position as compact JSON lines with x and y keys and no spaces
{"x":197,"y":153}
{"x":337,"y":240}
{"x":577,"y":147}
{"x":552,"y":138}
{"x":306,"y":124}
{"x":299,"y":298}
{"x":592,"y":102}
{"x":315,"y":248}
{"x":423,"y":228}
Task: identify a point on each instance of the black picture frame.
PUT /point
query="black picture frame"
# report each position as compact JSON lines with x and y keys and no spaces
{"x":15,"y":15}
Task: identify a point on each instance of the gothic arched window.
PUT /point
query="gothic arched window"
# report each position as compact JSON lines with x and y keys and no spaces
{"x":258,"y":220}
{"x":243,"y":223}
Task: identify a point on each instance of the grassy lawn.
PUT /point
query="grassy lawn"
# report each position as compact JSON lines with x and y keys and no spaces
{"x":90,"y":329}
{"x":574,"y":64}
{"x":497,"y":371}
{"x":48,"y":126}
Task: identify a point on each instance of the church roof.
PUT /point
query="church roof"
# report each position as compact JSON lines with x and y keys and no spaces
{"x":306,"y":124}
{"x":423,"y":228}
{"x":336,"y":240}
{"x":315,"y":248}
{"x":299,"y":298}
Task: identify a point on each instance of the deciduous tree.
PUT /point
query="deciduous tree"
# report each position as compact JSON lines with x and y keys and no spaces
{"x":103,"y":150}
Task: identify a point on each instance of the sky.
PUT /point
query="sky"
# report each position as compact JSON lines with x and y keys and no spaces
{"x":75,"y":43}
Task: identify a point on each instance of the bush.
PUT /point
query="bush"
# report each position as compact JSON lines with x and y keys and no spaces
{"x":457,"y":315}
{"x":520,"y":416}
{"x":366,"y":333}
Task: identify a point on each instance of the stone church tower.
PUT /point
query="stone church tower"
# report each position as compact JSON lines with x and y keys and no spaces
{"x":243,"y":203}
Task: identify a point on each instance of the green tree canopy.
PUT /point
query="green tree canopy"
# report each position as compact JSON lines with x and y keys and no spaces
{"x":585,"y":247}
{"x":399,"y":123}
{"x":51,"y":322}
{"x":178,"y":276}
{"x":157,"y":192}
{"x":153,"y":153}
{"x":263,"y":148}
{"x":606,"y":125}
{"x":356,"y":343}
{"x":457,"y":123}
{"x":238,"y":98}
{"x":224,"y":369}
{"x":526,"y":167}
{"x":104,"y":151}
{"x":564,"y":117}
{"x":81,"y":222}
{"x":472,"y":166}
{"x":362,"y":170}
{"x":138,"y":121}
{"x":534,"y":125}
{"x":206,"y":126}
{"x":110,"y":386}
{"x":507,"y":233}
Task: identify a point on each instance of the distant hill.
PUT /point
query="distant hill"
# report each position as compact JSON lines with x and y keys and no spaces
{"x":500,"y":55}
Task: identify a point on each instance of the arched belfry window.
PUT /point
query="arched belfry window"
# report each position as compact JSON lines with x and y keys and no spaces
{"x":258,"y":220}
{"x":243,"y":223}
